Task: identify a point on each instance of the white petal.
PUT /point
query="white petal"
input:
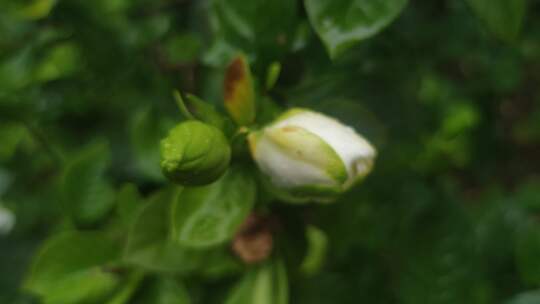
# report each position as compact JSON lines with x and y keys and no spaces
{"x":354,"y":150}
{"x":285,"y":171}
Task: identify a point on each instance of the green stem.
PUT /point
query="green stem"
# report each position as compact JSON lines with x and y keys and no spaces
{"x":181,"y":105}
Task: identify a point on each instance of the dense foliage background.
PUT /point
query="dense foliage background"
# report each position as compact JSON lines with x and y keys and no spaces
{"x":448,"y":92}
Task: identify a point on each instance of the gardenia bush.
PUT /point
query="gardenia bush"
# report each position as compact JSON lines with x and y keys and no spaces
{"x":269,"y":151}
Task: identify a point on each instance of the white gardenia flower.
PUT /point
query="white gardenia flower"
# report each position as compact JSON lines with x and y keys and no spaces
{"x":7,"y":220}
{"x":310,"y":155}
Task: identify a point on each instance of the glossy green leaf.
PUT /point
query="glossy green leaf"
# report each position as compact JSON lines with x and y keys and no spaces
{"x":148,"y":243}
{"x":342,"y":24}
{"x":87,"y":195}
{"x":210,"y":215}
{"x":502,"y":17}
{"x":265,"y":284}
{"x":150,"y":246}
{"x":72,"y":267}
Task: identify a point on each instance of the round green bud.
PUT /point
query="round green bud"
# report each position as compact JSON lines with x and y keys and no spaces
{"x":194,"y":153}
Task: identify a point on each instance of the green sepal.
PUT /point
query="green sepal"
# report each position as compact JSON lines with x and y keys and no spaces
{"x":302,"y":145}
{"x":301,"y":195}
{"x":193,"y":107}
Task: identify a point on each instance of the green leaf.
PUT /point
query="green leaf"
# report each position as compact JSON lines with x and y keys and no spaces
{"x":341,"y":24}
{"x":240,"y":26}
{"x":128,"y":202}
{"x":150,"y":247}
{"x":210,"y":215}
{"x":71,"y":267}
{"x":87,"y":195}
{"x":165,"y":290}
{"x":147,"y":245}
{"x":266,"y":284}
{"x":502,"y":17}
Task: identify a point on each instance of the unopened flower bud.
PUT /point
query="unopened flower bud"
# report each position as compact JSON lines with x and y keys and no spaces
{"x":311,"y":156}
{"x":194,"y":153}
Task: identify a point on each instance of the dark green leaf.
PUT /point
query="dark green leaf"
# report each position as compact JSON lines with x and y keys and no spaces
{"x":341,"y":24}
{"x":240,"y":25}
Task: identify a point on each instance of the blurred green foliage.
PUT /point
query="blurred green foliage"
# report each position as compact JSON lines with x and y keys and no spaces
{"x":447,"y":90}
